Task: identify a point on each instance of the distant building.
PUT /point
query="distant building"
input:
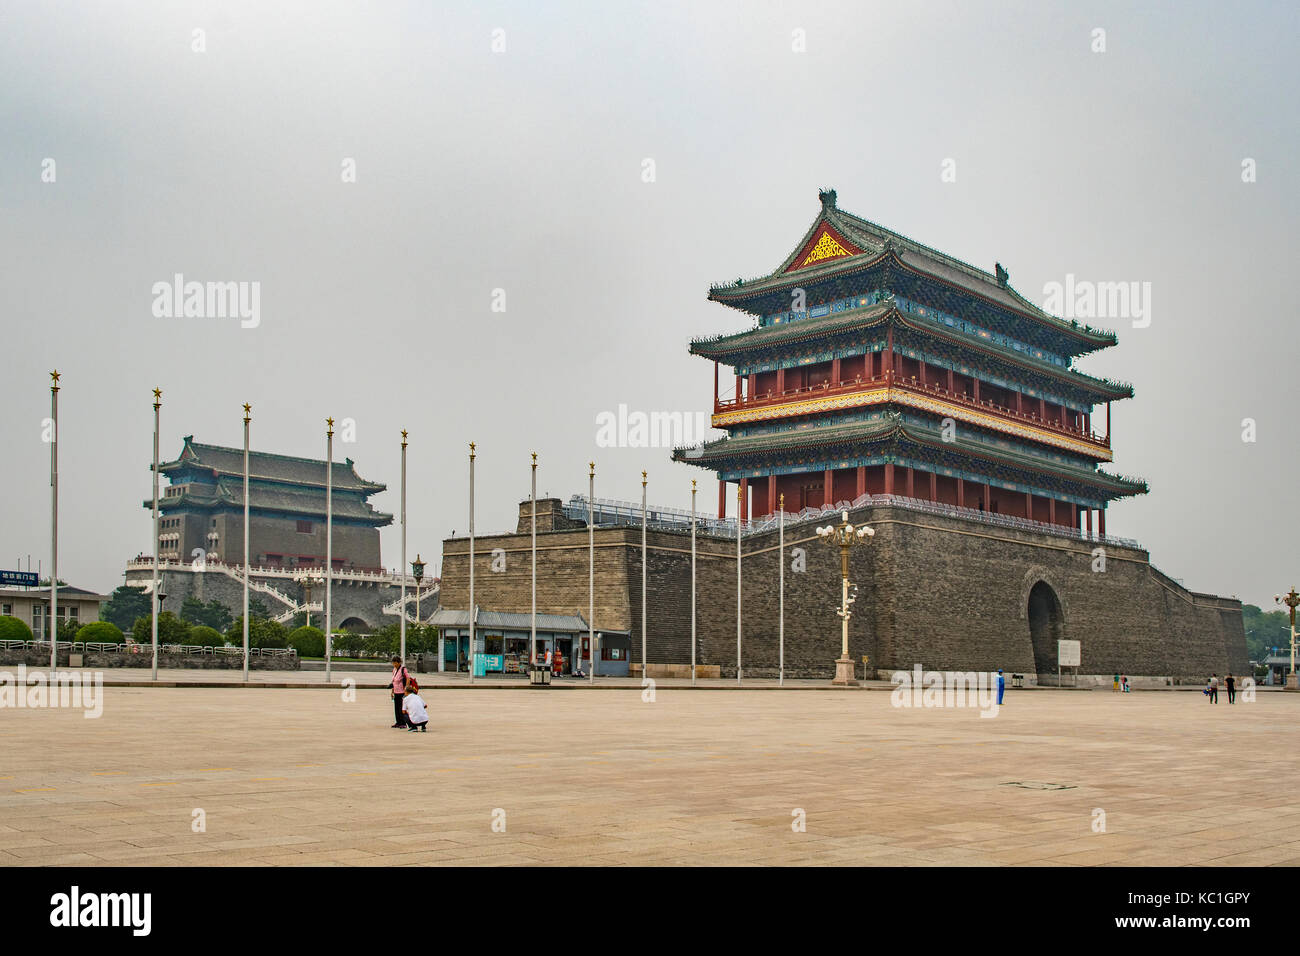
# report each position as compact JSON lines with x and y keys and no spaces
{"x":202,"y":510}
{"x":32,"y":606}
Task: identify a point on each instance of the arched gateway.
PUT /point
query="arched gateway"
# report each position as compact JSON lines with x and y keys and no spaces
{"x":1045,"y":621}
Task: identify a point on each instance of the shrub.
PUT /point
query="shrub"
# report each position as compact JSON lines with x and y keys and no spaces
{"x":100,"y":632}
{"x":308,"y":641}
{"x":203,"y":636}
{"x":171,"y":629}
{"x":14,"y":629}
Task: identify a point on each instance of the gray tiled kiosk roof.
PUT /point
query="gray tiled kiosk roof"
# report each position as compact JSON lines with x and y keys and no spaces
{"x":509,"y":620}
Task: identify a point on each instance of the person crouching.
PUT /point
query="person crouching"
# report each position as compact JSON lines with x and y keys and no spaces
{"x":417,"y":713}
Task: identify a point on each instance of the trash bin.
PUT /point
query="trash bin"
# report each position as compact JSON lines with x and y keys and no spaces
{"x":419,"y":663}
{"x":539,"y":676}
{"x":1017,"y":680}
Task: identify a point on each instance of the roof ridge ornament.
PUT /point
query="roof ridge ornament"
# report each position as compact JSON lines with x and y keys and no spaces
{"x":1002,"y":275}
{"x":827,"y":197}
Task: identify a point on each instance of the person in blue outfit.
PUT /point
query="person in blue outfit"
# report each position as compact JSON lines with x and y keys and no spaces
{"x":1002,"y":686}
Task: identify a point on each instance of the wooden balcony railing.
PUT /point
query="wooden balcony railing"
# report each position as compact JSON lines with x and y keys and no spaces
{"x":773,"y":397}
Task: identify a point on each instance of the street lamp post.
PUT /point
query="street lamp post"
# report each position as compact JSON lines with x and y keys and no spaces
{"x":845,"y":537}
{"x":1291,"y":600}
{"x":417,"y":568}
{"x":305,"y":580}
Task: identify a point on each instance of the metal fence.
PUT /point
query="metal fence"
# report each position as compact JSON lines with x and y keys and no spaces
{"x":78,"y":647}
{"x":608,"y":512}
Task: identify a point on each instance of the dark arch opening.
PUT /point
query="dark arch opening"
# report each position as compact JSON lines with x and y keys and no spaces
{"x":355,"y":625}
{"x":1044,"y":626}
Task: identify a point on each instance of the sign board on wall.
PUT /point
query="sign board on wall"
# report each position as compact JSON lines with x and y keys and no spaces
{"x":1068,"y":653}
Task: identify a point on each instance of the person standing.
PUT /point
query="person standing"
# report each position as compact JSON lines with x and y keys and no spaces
{"x":1230,"y":682}
{"x":1002,"y":686}
{"x":1114,"y":684}
{"x":1214,"y":688}
{"x":398,"y":687}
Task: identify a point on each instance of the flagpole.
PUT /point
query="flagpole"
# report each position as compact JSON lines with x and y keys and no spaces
{"x":645,"y":667}
{"x":591,"y":573}
{"x":740,"y":504}
{"x":329,"y":546}
{"x":157,"y":403}
{"x":471,"y":571}
{"x":692,"y":582}
{"x":53,"y":625}
{"x":247,"y":409}
{"x":532,"y":641}
{"x":781,"y":616}
{"x":402,"y":602}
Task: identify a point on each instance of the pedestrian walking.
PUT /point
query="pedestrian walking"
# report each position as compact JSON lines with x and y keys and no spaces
{"x":1230,"y":682}
{"x":1214,"y":688}
{"x":398,"y":684}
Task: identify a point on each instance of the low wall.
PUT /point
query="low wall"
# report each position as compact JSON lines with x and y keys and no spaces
{"x":100,"y":660}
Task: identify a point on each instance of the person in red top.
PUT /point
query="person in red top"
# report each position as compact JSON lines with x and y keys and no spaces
{"x":559,"y":664}
{"x":399,"y":680}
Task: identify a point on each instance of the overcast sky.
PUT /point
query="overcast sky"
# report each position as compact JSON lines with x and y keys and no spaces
{"x":523,"y":170}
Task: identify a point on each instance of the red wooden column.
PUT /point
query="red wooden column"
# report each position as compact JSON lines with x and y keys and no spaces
{"x":828,"y":495}
{"x":1029,"y":505}
{"x":888,"y":365}
{"x":934,"y":486}
{"x":911,"y":476}
{"x":780,"y":381}
{"x":975,"y":384}
{"x":1101,"y":521}
{"x":869,"y":366}
{"x":1074,"y":516}
{"x":961,"y":493}
{"x":1042,"y":410}
{"x":952,"y":383}
{"x":889,"y":479}
{"x":835,"y":371}
{"x":740,"y":388}
{"x":715,"y":386}
{"x":862,"y":480}
{"x":722,"y":498}
{"x":752,"y":388}
{"x":744,"y":499}
{"x":771,"y":494}
{"x":1020,"y":403}
{"x":1051,"y":510}
{"x":921,"y":371}
{"x":1088,"y":521}
{"x":988,"y":497}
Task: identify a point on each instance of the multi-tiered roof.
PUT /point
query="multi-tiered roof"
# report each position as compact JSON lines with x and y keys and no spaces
{"x":852,"y":290}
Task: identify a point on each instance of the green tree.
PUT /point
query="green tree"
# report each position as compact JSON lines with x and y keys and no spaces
{"x":1265,"y":630}
{"x":171,"y":629}
{"x":308,"y":641}
{"x":200,"y":635}
{"x":14,"y":629}
{"x":213,"y":614}
{"x":125,"y":605}
{"x":100,"y":632}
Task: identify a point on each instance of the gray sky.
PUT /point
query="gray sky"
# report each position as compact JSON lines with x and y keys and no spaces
{"x":522,"y":170}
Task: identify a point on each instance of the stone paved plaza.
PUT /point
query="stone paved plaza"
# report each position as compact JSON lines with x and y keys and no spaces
{"x":298,"y":776}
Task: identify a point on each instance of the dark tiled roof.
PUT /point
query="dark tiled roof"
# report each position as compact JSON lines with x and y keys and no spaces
{"x":229,"y":493}
{"x":261,"y":464}
{"x":888,"y":427}
{"x":876,"y":241}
